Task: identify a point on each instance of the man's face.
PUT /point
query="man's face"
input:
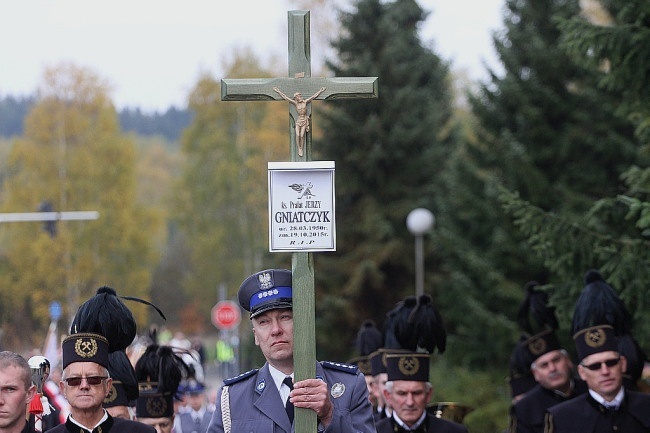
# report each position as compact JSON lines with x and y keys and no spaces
{"x":195,"y":400}
{"x":378,"y":387}
{"x":162,"y":425}
{"x":552,"y":370}
{"x":369,"y":385}
{"x":604,"y":380}
{"x":273,"y":331}
{"x":408,"y":399}
{"x":14,"y":398}
{"x":85,"y":396}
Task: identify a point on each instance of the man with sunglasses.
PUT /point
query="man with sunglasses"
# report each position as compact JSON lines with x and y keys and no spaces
{"x":608,"y":406}
{"x":553,"y":371}
{"x":85,"y":383}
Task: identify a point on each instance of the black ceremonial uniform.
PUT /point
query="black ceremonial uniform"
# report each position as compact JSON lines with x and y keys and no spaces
{"x":431,"y":424}
{"x":583,"y":414}
{"x":527,"y":415}
{"x":112,"y":425}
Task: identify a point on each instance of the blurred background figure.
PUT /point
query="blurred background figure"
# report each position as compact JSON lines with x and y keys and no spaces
{"x":196,"y":417}
{"x":159,"y":372}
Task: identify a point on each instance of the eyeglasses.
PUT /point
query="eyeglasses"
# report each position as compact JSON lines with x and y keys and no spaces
{"x":90,"y":380}
{"x":597,"y":365}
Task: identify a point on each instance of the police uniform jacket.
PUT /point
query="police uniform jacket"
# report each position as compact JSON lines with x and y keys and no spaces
{"x":585,"y":415}
{"x":527,"y":415}
{"x":431,"y":424}
{"x":189,"y":425}
{"x":112,"y":425}
{"x":256,"y":406}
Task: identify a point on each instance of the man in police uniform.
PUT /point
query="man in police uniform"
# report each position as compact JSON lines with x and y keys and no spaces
{"x":608,"y":406}
{"x":262,"y":400}
{"x":85,"y":383}
{"x":553,"y":371}
{"x":198,"y":414}
{"x":408,"y":391}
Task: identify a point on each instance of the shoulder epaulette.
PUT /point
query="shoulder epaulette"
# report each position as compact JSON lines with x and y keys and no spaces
{"x":340,"y":366}
{"x":240,"y":377}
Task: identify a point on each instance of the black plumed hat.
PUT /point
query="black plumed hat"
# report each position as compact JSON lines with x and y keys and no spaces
{"x":107,"y":315}
{"x":161,"y":365}
{"x":599,"y":304}
{"x":415,"y":324}
{"x":534,"y":314}
{"x":369,"y":338}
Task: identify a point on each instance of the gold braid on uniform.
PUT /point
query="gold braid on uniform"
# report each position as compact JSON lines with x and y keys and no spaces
{"x":548,"y":423}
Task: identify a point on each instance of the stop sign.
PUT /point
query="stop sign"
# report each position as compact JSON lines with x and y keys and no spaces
{"x":226,"y":315}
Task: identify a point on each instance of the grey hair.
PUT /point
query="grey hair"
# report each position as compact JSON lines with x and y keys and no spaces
{"x":562,"y":351}
{"x":389,"y":386}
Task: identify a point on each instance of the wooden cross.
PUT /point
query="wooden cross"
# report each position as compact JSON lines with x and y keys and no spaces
{"x":278,"y":89}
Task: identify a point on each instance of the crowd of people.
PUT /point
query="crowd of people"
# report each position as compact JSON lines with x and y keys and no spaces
{"x":104,"y":383}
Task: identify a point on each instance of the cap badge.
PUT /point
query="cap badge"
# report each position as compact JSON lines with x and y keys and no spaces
{"x":156,"y":406}
{"x":337,"y":390}
{"x":595,"y":338}
{"x":86,"y":348}
{"x":261,"y":385}
{"x":537,"y":346}
{"x":408,"y":365}
{"x":265,"y":281}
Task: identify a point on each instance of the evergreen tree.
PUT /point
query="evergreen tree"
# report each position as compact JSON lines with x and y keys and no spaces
{"x":613,"y":234}
{"x":545,"y":131}
{"x":389,"y":153}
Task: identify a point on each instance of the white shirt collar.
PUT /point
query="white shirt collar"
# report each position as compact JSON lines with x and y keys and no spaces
{"x":278,"y":377}
{"x":616,"y":402}
{"x":414,"y":426}
{"x":104,"y":418}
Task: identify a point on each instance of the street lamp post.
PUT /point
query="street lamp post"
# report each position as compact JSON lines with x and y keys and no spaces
{"x":419,"y":221}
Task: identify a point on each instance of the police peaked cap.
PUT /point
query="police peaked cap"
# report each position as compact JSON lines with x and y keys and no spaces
{"x":266,"y":290}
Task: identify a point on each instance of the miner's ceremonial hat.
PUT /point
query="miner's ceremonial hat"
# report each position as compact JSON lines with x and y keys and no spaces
{"x":85,"y":347}
{"x":595,"y":339}
{"x":541,"y":344}
{"x":117,"y":395}
{"x":266,"y":290}
{"x":413,"y":366}
{"x":159,"y":372}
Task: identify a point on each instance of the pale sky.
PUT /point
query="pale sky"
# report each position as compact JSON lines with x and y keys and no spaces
{"x":153,"y":51}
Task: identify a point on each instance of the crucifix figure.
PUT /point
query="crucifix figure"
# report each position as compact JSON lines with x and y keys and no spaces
{"x":302,"y":122}
{"x":300,"y":83}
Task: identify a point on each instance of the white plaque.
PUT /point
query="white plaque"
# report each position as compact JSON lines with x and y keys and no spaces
{"x":301,"y":206}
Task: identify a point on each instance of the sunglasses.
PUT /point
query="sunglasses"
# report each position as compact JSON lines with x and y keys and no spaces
{"x":597,"y":365}
{"x":90,"y":380}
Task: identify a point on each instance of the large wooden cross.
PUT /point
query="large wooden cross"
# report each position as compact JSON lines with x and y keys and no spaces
{"x":291,"y":89}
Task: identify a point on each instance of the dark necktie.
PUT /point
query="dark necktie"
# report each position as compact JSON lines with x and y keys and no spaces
{"x":289,"y":406}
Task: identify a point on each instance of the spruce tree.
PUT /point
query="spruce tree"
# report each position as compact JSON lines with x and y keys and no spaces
{"x":613,"y":234}
{"x":545,"y":131}
{"x":389,"y":152}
